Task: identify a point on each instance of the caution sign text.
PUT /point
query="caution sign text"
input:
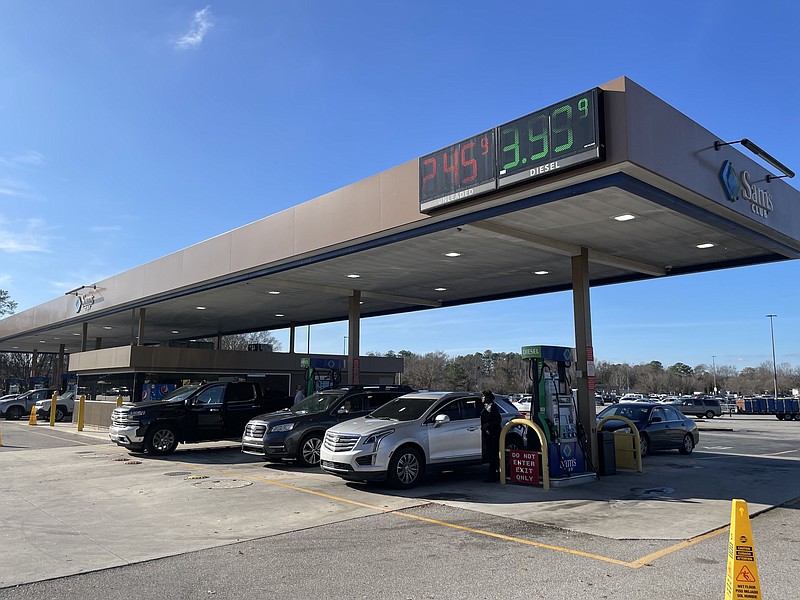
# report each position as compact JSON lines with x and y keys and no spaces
{"x":741,"y":579}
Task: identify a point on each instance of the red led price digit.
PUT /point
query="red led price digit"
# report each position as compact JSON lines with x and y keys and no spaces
{"x":469,"y":163}
{"x":485,"y":145}
{"x":429,"y":161}
{"x":453,"y":168}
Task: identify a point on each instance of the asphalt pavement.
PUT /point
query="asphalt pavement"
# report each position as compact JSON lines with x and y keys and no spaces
{"x":78,"y":504}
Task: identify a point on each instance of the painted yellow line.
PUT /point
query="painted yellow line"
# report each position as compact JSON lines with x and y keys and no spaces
{"x":634,"y":565}
{"x":645,"y":560}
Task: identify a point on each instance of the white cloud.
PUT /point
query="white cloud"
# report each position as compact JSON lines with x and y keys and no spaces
{"x":28,"y":236}
{"x":27,"y":159}
{"x":201,"y":24}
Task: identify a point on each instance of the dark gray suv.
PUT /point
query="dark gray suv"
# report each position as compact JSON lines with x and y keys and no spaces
{"x":699,"y":407}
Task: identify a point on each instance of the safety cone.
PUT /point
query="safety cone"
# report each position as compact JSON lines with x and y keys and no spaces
{"x":32,"y":420}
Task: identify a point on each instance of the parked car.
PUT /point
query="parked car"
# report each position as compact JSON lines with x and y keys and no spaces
{"x":661,"y":426}
{"x":699,"y":407}
{"x":65,"y":406}
{"x":402,"y":440}
{"x":14,"y":408}
{"x":296,"y":432}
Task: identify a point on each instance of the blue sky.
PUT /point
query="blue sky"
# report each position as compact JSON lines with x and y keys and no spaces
{"x":130,"y":130}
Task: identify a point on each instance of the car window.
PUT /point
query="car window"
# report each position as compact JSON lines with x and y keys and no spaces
{"x":210,"y":396}
{"x":658,"y":413}
{"x":473,"y":408}
{"x":317,"y":402}
{"x":672,"y":414}
{"x":454,"y":410}
{"x":404,"y":408}
{"x":240,"y":393}
{"x":376,"y":399}
{"x":354,"y":403}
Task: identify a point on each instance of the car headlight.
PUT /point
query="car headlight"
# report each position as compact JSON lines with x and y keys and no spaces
{"x":375,"y":439}
{"x":283,"y":427}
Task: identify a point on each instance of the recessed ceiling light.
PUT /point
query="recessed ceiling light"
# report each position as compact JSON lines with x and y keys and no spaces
{"x":706,"y":245}
{"x":200,"y":307}
{"x":76,"y":334}
{"x":625,"y":217}
{"x":106,"y":327}
{"x":353,"y":276}
{"x":452,"y":254}
{"x":175,"y":331}
{"x":55,"y":338}
{"x":541,"y":272}
{"x":42,"y":341}
{"x":274,"y":292}
{"x":439,"y":289}
{"x":279,"y":314}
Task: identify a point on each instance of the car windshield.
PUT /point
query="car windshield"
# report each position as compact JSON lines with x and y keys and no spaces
{"x":180,"y":393}
{"x":404,"y":408}
{"x":316,"y":403}
{"x":637,"y":414}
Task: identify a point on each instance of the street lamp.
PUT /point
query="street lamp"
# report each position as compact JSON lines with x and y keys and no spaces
{"x":774,"y":366}
{"x":714,"y":372}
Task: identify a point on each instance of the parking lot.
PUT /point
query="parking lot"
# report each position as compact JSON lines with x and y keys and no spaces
{"x":75,"y":504}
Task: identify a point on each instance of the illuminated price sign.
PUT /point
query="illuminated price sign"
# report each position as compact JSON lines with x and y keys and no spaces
{"x":458,"y":172}
{"x":561,"y":136}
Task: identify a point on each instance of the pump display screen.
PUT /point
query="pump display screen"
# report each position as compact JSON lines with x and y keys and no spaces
{"x":458,"y":172}
{"x":563,"y":135}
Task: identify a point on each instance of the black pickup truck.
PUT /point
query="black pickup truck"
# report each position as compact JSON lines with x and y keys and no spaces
{"x":192,"y":413}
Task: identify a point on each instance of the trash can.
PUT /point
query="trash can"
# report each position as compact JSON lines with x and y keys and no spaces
{"x":606,"y":453}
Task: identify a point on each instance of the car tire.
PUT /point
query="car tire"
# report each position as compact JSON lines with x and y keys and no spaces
{"x":161,"y":440}
{"x":308,"y":451}
{"x":406,"y":469}
{"x":644,"y":444}
{"x":688,"y":444}
{"x":61,"y":413}
{"x":709,"y":414}
{"x":781,"y":417}
{"x":14,"y":413}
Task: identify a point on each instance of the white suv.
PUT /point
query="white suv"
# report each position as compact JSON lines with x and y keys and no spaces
{"x":400,"y":440}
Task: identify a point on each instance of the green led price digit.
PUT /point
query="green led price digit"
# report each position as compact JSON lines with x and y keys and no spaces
{"x":583,"y":107}
{"x":565,"y":110}
{"x":538,"y":126}
{"x":513,"y":146}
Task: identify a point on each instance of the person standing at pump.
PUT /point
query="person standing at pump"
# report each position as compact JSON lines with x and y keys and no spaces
{"x":299,"y":395}
{"x":490,"y":436}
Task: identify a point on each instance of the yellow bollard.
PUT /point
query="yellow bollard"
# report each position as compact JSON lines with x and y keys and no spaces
{"x":119,"y":401}
{"x":32,"y":420}
{"x":81,"y":406}
{"x":53,"y":409}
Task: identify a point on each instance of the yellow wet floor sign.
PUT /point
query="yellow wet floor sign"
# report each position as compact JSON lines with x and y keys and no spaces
{"x":741,"y":579}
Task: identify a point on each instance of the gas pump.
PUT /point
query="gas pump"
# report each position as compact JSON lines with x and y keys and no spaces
{"x":323,"y":373}
{"x":553,"y":407}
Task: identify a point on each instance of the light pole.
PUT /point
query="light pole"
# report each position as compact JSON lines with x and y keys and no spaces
{"x":714,"y":372}
{"x":774,"y":366}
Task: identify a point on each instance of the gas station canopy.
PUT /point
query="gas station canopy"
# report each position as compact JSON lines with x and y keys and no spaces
{"x":614,"y":172}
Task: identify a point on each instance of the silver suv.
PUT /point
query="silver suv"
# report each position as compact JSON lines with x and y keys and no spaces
{"x":403,"y":438}
{"x":699,"y":407}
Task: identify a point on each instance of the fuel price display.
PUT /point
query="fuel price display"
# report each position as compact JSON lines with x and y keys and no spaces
{"x":458,"y":172}
{"x":564,"y":135}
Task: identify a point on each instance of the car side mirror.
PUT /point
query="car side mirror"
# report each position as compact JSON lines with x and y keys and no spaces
{"x":441,"y":420}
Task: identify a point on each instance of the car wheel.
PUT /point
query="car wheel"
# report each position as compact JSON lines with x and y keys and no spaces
{"x":161,"y":440}
{"x":60,"y":413}
{"x":688,"y":444}
{"x":308,"y":453}
{"x":14,"y":413}
{"x":781,"y":417}
{"x":644,"y":444}
{"x":406,"y":468}
{"x":709,"y":414}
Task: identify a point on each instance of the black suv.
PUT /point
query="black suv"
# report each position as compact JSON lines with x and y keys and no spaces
{"x":699,"y":407}
{"x":297,"y":432}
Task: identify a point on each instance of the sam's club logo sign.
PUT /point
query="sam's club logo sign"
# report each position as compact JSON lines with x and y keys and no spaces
{"x":735,"y":184}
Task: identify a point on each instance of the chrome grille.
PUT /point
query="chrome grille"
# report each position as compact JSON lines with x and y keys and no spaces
{"x":340,"y":442}
{"x":255,"y":430}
